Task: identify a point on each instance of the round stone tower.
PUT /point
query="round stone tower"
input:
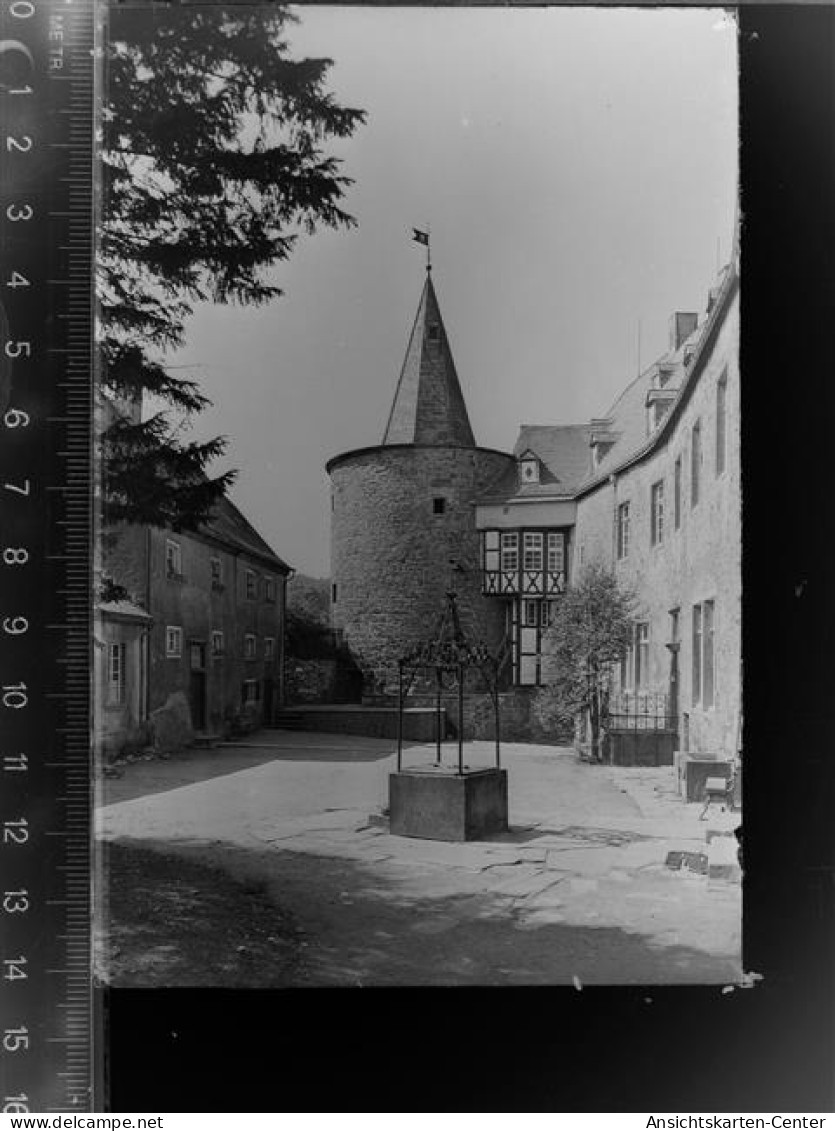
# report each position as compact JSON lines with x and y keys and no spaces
{"x":403,"y":513}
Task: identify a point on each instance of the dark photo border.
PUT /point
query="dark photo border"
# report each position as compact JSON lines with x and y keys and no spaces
{"x":662,"y":1049}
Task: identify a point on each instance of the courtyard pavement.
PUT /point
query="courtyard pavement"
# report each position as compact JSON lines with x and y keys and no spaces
{"x":577,"y":892}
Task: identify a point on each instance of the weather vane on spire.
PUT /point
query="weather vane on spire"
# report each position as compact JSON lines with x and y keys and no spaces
{"x":423,"y":237}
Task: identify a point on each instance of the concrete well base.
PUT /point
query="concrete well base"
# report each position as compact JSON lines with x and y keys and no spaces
{"x":439,"y":804}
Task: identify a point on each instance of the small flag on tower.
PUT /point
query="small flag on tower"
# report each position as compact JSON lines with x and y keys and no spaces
{"x":420,"y":237}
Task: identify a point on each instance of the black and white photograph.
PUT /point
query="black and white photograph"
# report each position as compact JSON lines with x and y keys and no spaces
{"x":418,"y":567}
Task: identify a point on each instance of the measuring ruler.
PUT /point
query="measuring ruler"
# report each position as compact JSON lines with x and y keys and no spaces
{"x":46,"y":234}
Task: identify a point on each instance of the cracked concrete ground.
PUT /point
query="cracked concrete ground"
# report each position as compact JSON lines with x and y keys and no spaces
{"x":578,"y":889}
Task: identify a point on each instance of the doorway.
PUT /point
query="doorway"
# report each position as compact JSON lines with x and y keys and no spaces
{"x":197,"y":684}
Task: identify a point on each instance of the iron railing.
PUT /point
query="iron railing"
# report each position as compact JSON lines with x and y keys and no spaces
{"x":639,"y":710}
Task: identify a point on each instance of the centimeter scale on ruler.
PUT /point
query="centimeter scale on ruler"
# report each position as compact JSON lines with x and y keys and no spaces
{"x":46,"y":203}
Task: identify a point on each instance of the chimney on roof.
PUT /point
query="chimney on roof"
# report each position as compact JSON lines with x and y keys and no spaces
{"x":682,"y":326}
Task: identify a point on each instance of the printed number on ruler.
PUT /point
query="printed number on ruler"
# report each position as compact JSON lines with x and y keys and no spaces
{"x":14,"y":696}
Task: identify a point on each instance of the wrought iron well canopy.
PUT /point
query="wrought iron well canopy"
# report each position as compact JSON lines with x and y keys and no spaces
{"x":446,"y":658}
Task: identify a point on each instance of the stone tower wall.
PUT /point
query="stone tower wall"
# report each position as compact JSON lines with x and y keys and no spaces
{"x":390,"y":552}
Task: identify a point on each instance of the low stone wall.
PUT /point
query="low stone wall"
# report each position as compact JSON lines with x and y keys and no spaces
{"x":370,"y":722}
{"x":521,"y":719}
{"x":321,"y":680}
{"x":640,"y":747}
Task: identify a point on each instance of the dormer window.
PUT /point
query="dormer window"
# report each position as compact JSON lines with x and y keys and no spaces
{"x":665,"y":372}
{"x":434,"y":332}
{"x":528,"y":468}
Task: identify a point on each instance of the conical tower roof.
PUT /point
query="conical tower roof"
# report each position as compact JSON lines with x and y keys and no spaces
{"x":428,"y":405}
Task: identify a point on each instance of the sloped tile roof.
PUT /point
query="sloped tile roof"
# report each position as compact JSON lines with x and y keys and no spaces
{"x":428,"y":406}
{"x":563,"y":451}
{"x":229,"y":526}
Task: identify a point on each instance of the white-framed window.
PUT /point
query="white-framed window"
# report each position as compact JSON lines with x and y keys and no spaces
{"x":269,"y":647}
{"x":251,"y":583}
{"x":555,"y":562}
{"x":269,"y":590}
{"x":530,"y":614}
{"x":217,"y":643}
{"x":510,"y":551}
{"x":641,"y":655}
{"x":623,"y":530}
{"x":173,"y":642}
{"x":657,"y":513}
{"x":549,"y":611}
{"x":490,"y":550}
{"x":708,"y":671}
{"x":532,"y":558}
{"x":249,"y":646}
{"x":529,"y":470}
{"x":704,"y":674}
{"x":695,"y":462}
{"x":675,"y":617}
{"x":115,"y":674}
{"x":173,"y":558}
{"x":721,"y":420}
{"x":216,"y":568}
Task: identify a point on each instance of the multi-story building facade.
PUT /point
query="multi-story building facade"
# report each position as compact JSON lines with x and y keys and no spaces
{"x":205,"y":622}
{"x":651,"y":490}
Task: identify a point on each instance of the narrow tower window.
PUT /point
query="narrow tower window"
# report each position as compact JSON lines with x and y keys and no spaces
{"x":438,"y":505}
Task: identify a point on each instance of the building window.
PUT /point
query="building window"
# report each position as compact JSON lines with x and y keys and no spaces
{"x":530,"y":614}
{"x":532,"y":558}
{"x":529,"y":470}
{"x":695,"y":462}
{"x":173,"y":642}
{"x":707,"y":655}
{"x":674,"y":625}
{"x":333,"y":593}
{"x":115,"y":674}
{"x":627,"y":665}
{"x":434,"y":332}
{"x":269,"y":590}
{"x":249,"y":646}
{"x":251,"y":585}
{"x":438,"y":505}
{"x":269,"y":647}
{"x":721,"y":398}
{"x":490,"y":550}
{"x":697,"y":654}
{"x":549,"y":611}
{"x":704,"y":672}
{"x":641,"y":655}
{"x":250,"y":691}
{"x":623,"y":530}
{"x":657,"y":513}
{"x":677,"y":494}
{"x":556,"y":553}
{"x":217,"y":643}
{"x":510,"y":552}
{"x":173,"y":559}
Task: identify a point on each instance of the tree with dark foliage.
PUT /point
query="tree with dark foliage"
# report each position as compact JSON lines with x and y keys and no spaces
{"x":591,"y":629}
{"x":213,"y":163}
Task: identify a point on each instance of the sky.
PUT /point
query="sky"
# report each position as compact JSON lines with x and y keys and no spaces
{"x":578,"y":170}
